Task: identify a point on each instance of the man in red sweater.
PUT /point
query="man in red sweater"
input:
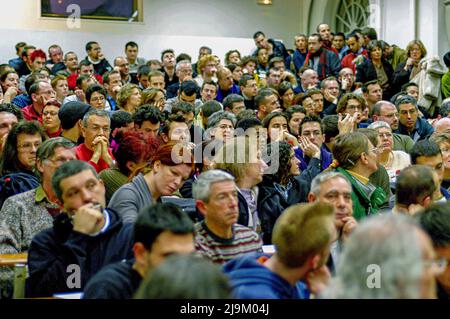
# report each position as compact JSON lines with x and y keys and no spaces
{"x":96,"y":127}
{"x":41,"y":92}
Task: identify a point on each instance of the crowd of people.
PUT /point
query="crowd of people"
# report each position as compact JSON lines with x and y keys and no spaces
{"x":279,"y":174}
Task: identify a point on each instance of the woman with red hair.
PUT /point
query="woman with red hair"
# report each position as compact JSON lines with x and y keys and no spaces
{"x":133,"y":148}
{"x":171,"y":165}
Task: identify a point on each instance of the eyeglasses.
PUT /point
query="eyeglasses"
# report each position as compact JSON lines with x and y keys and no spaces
{"x":29,"y":146}
{"x":440,"y":264}
{"x":52,"y":113}
{"x":98,"y":98}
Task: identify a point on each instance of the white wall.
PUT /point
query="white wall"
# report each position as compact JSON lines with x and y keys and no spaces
{"x":181,"y":25}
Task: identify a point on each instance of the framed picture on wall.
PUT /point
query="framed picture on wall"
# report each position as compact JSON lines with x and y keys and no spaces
{"x":118,"y":10}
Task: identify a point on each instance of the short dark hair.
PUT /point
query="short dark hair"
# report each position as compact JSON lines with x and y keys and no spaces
{"x":291,"y":110}
{"x":369,"y":32}
{"x":143,"y":70}
{"x":330,"y":127}
{"x":120,"y":119}
{"x":90,"y":44}
{"x":435,"y":221}
{"x":167,"y":51}
{"x":189,"y":88}
{"x":413,"y":184}
{"x":266,"y":121}
{"x":107,"y":74}
{"x":247,"y":123}
{"x":258,"y":33}
{"x":183,"y":57}
{"x":160,"y":217}
{"x":210,"y":107}
{"x":210,"y":83}
{"x":185,"y":276}
{"x":183,"y":107}
{"x":66,"y":170}
{"x":245,"y":78}
{"x":231,"y":99}
{"x":95,"y":88}
{"x":11,"y":108}
{"x":173,"y":118}
{"x":262,"y":95}
{"x":131,"y":44}
{"x":310,"y":119}
{"x":81,"y":79}
{"x":365,"y":87}
{"x":407,"y":85}
{"x":147,"y":113}
{"x":425,"y":148}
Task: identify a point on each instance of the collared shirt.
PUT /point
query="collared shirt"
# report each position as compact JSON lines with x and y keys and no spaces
{"x":360,"y":178}
{"x":30,"y":114}
{"x":42,"y":198}
{"x":133,"y":67}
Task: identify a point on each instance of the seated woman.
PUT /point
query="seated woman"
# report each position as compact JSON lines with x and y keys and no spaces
{"x":163,"y":175}
{"x":50,"y":119}
{"x":19,"y":159}
{"x":9,"y":81}
{"x":129,"y":98}
{"x":282,"y":185}
{"x":393,"y":161}
{"x":356,"y":158}
{"x":295,"y":115}
{"x":156,"y":98}
{"x":133,"y":148}
{"x":376,"y":68}
{"x":351,"y":103}
{"x":241,"y":157}
{"x":286,"y":93}
{"x":406,"y":71}
{"x":61,"y":87}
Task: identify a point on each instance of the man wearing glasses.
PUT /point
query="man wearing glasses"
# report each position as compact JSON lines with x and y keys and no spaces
{"x":26,"y":214}
{"x":95,"y":128}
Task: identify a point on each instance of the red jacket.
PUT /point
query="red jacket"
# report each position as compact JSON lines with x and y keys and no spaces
{"x":347,"y":60}
{"x":30,"y":114}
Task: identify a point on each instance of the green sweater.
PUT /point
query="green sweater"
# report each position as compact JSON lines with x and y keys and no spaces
{"x":366,"y":198}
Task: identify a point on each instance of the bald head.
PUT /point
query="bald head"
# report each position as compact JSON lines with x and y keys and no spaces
{"x":443,"y":125}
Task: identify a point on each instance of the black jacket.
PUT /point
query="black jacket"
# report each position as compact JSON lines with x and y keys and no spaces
{"x":115,"y":281}
{"x":55,"y":249}
{"x":102,"y":67}
{"x":366,"y":72}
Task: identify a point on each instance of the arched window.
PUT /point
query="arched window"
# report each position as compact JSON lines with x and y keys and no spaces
{"x":352,"y":14}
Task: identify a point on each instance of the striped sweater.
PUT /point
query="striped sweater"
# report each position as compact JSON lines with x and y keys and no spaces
{"x":220,"y":250}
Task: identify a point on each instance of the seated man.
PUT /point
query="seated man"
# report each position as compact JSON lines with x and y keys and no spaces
{"x":428,"y":153}
{"x":147,"y":119}
{"x":435,"y":221}
{"x":83,"y":239}
{"x":302,"y":236}
{"x":187,"y":93}
{"x":410,"y":123}
{"x":387,"y":112}
{"x":218,"y":237}
{"x":27,"y":214}
{"x":160,"y":231}
{"x":414,"y":189}
{"x":334,"y":188}
{"x":95,"y":130}
{"x":372,"y":250}
{"x":70,"y":115}
{"x":311,"y":141}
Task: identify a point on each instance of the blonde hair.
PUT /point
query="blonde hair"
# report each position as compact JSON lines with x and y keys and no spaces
{"x":125,"y":93}
{"x":235,"y":155}
{"x":204,"y":61}
{"x":419,"y":44}
{"x":301,"y":231}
